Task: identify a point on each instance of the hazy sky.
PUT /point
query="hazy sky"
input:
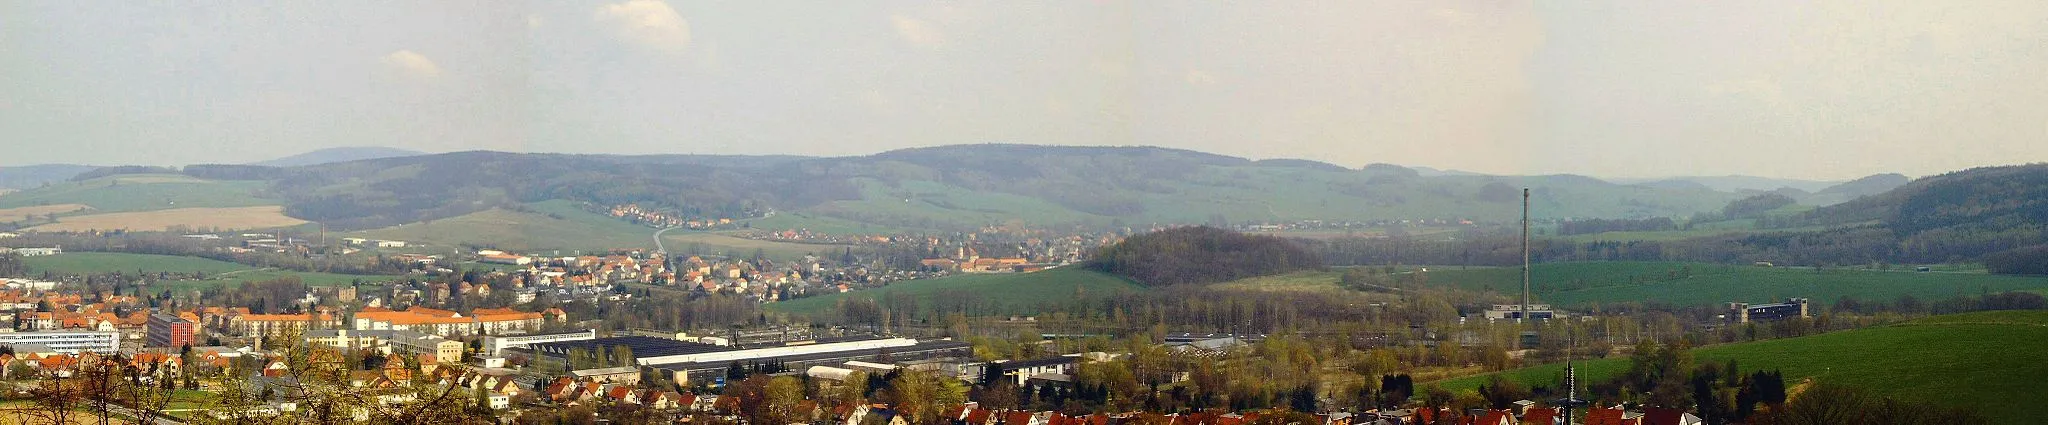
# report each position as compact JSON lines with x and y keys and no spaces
{"x":1811,"y":89}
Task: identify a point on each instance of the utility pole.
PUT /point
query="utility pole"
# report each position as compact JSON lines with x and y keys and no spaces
{"x":1571,"y":378}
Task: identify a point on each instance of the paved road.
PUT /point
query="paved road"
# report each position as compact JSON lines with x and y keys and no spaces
{"x":658,"y":247}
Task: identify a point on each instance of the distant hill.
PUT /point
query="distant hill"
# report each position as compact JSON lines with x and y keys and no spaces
{"x":33,"y":176}
{"x":1733,"y":183}
{"x":952,"y":187}
{"x":333,"y":155}
{"x":1845,"y":192}
{"x":1959,"y":216}
{"x":938,"y":188}
{"x":1988,"y":198}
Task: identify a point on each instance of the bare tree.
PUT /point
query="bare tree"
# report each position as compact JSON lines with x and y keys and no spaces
{"x":56,"y":401}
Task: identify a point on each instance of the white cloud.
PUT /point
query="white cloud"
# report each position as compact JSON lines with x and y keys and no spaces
{"x":918,"y":31}
{"x":650,"y":23}
{"x":1196,"y":77}
{"x":412,"y":63}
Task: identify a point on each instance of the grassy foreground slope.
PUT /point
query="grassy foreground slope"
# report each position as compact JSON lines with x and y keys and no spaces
{"x":1019,"y":293}
{"x":1987,"y":361}
{"x":1581,"y":284}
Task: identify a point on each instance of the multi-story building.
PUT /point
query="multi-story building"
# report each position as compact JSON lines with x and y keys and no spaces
{"x":482,"y":321}
{"x":166,"y":330}
{"x":70,"y":342}
{"x":389,"y":342}
{"x":277,"y":324}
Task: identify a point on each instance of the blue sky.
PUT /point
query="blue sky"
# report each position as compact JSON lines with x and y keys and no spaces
{"x":1817,"y":89}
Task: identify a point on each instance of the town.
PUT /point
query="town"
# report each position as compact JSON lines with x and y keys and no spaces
{"x":529,"y":338}
{"x":1023,"y":213}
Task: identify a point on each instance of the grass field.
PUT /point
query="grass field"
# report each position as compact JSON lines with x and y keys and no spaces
{"x":1988,"y":361}
{"x":540,"y":229}
{"x":101,"y":262}
{"x":1582,"y":284}
{"x":563,"y":226}
{"x":1710,"y":229}
{"x":26,"y":213}
{"x":231,"y":218}
{"x":820,"y":224}
{"x":143,"y":192}
{"x":1305,"y":281}
{"x":216,"y":271}
{"x":1020,"y":293}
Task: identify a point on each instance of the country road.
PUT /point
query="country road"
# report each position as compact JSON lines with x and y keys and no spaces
{"x":658,"y":247}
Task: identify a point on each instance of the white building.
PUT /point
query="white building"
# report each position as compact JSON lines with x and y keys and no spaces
{"x":68,"y":342}
{"x":38,"y":252}
{"x":495,"y":345}
{"x":792,"y":350}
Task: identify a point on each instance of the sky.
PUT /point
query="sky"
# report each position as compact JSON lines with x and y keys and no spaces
{"x":1821,"y":89}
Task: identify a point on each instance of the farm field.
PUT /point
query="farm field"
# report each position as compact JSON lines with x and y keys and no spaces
{"x":100,"y":262}
{"x":1307,"y":281}
{"x":215,"y":270}
{"x":1963,"y":360}
{"x":818,"y":224}
{"x":550,"y":225}
{"x":563,"y":226}
{"x":25,"y":213}
{"x":1705,"y":230}
{"x":1013,"y":293}
{"x":1586,"y":284}
{"x":143,"y":192}
{"x":199,"y":219}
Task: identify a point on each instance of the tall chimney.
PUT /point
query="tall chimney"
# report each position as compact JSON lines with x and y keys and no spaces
{"x":1525,"y":255}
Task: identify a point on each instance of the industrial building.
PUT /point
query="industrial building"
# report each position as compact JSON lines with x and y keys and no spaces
{"x":695,"y":363}
{"x":495,"y":345}
{"x":1745,"y":312}
{"x":1514,"y":311}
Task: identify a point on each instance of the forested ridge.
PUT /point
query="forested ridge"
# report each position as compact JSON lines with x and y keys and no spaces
{"x":946,"y":188}
{"x":1996,"y":215}
{"x":1201,"y":254}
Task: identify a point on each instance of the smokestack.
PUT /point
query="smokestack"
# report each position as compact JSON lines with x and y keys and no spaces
{"x":1525,"y":254}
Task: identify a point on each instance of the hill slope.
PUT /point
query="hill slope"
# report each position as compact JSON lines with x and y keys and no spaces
{"x":32,"y":176}
{"x":952,"y":187}
{"x":1972,"y":360}
{"x":1001,"y":294}
{"x":333,"y":155}
{"x":1582,"y":284}
{"x":144,"y":192}
{"x":562,"y":225}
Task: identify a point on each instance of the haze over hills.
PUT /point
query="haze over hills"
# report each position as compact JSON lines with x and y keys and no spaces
{"x":31,"y":176}
{"x":341,"y":154}
{"x":1731,"y":183}
{"x":952,"y":187}
{"x":947,"y":187}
